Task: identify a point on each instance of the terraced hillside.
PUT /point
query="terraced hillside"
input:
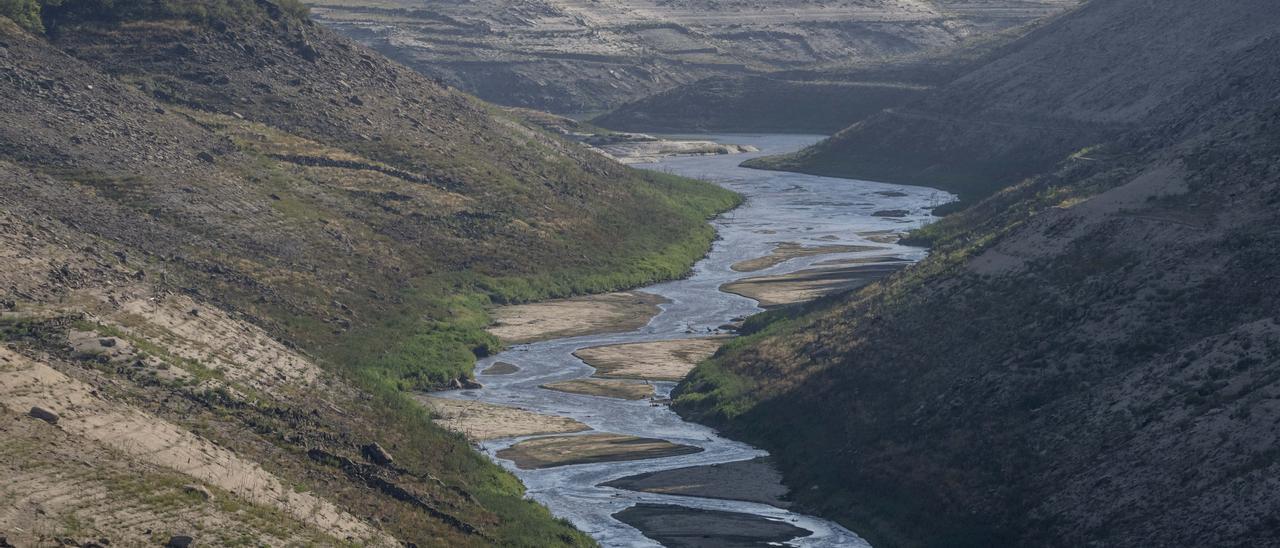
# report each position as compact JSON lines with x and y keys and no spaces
{"x":230,"y":239}
{"x":573,"y":56}
{"x":1090,"y":356}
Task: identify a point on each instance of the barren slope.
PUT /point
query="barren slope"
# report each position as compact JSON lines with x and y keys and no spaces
{"x":231,"y":237}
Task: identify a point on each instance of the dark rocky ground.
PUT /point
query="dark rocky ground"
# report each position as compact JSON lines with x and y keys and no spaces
{"x":1090,"y":356}
{"x":1028,"y":105}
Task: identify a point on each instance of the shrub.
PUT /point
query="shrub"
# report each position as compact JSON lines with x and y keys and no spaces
{"x":26,"y":13}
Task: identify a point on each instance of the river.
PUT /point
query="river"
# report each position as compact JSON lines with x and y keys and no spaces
{"x":780,"y":207}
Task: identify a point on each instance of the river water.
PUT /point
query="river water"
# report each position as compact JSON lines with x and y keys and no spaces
{"x":780,"y":207}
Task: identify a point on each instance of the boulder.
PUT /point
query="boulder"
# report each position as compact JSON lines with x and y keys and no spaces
{"x":198,"y":490}
{"x":376,"y":454}
{"x":179,"y":541}
{"x":43,"y":414}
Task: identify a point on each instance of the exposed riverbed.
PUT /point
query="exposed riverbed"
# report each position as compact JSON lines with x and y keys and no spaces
{"x":782,"y":209}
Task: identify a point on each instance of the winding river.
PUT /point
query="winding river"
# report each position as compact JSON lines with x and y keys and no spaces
{"x":780,"y":207}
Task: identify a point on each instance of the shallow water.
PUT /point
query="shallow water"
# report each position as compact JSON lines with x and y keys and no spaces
{"x":794,"y":208}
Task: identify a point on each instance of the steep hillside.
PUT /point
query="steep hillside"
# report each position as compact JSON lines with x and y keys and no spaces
{"x":1090,"y":357}
{"x":235,"y":236}
{"x":571,"y":56}
{"x":1033,"y":104}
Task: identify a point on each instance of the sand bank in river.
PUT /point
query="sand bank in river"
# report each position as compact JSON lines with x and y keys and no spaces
{"x":500,"y":368}
{"x":882,"y":236}
{"x":588,"y":448}
{"x":608,"y":388}
{"x":791,"y":250}
{"x":754,"y":480}
{"x":861,"y":260}
{"x":594,"y":314}
{"x":807,"y":285}
{"x":485,"y":421}
{"x":681,"y":527}
{"x":657,"y":361}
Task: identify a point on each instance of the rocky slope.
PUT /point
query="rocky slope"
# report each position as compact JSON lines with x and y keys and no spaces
{"x":231,"y":236}
{"x":1089,"y":357}
{"x":571,"y":56}
{"x":1031,"y":105}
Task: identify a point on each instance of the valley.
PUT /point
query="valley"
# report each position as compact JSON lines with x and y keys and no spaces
{"x":531,"y":273}
{"x":579,"y":476}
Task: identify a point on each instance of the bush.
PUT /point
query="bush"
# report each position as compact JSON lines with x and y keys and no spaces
{"x":26,"y":13}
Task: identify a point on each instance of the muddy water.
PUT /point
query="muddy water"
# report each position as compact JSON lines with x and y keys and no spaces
{"x":781,"y":207}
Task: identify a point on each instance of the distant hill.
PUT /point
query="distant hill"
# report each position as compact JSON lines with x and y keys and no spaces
{"x":580,"y":57}
{"x":1090,"y":355}
{"x":822,"y":99}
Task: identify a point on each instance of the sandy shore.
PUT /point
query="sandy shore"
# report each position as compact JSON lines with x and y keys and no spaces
{"x":642,"y":150}
{"x":608,"y":388}
{"x":588,"y":448}
{"x":656,"y":361}
{"x":607,"y":313}
{"x":791,"y":250}
{"x":681,"y":527}
{"x":807,"y":285}
{"x":753,"y":480}
{"x":484,"y":421}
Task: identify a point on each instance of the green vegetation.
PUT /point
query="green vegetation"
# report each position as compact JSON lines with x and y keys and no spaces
{"x":26,"y":13}
{"x":435,"y":334}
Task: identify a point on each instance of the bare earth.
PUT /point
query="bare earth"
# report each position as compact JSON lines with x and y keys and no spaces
{"x":807,"y":285}
{"x":139,"y":436}
{"x":608,"y":388}
{"x":657,"y":361}
{"x":791,"y":250}
{"x":753,"y":480}
{"x":590,"y":315}
{"x":588,"y":448}
{"x":484,"y":421}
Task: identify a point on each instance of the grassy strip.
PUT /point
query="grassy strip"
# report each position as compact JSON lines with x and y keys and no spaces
{"x":440,"y":329}
{"x":438,"y":332}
